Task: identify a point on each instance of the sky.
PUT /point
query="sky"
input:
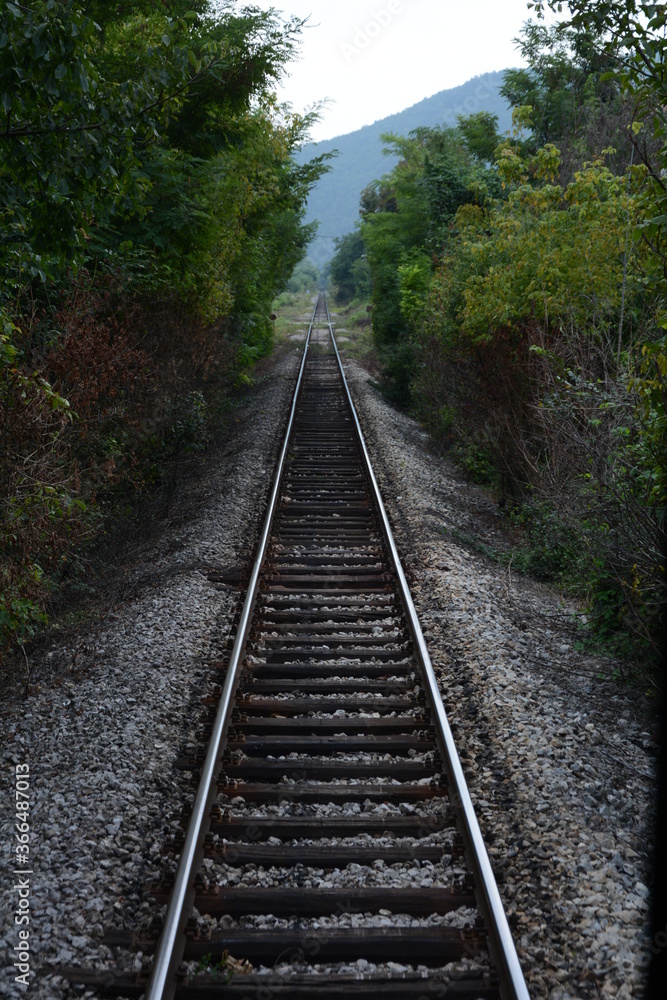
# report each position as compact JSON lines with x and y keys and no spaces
{"x":372,"y":58}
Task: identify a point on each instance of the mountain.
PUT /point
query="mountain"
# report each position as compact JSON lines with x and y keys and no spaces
{"x":335,"y":199}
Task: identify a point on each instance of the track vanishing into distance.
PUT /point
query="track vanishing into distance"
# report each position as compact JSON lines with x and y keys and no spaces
{"x":332,"y":850}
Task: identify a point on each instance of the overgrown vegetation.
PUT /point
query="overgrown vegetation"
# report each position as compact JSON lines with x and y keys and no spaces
{"x":518,"y":295}
{"x":151,"y":209}
{"x":304,"y":278}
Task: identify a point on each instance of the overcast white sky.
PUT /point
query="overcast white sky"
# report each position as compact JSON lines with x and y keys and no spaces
{"x":375,"y":58}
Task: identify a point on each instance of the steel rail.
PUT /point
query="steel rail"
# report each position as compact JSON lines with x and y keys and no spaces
{"x":162,"y":982}
{"x":513,"y":985}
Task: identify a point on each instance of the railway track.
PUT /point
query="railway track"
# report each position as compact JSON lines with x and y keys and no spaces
{"x":332,"y":849}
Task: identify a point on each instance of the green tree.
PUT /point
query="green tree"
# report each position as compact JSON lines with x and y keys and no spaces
{"x":304,"y":278}
{"x":72,"y":135}
{"x":574,"y":102}
{"x":405,"y":223}
{"x":631,"y":36}
{"x":517,"y":304}
{"x":480,"y":135}
{"x":349,"y":252}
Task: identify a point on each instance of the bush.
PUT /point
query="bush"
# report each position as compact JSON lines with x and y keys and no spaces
{"x":305,"y":278}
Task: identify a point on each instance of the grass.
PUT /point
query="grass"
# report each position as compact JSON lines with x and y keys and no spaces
{"x":542,"y":551}
{"x":293,"y":311}
{"x":352,"y":322}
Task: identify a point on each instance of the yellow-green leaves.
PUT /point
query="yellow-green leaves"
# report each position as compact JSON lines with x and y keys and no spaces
{"x":544,"y":254}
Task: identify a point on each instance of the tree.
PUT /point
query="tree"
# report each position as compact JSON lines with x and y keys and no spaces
{"x":628,"y":39}
{"x":72,"y":135}
{"x":516,"y":315}
{"x":405,"y":223}
{"x":349,"y":252}
{"x":573,"y":101}
{"x":480,"y":135}
{"x":304,"y":278}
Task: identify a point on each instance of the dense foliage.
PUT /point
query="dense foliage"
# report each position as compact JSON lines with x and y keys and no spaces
{"x":305,"y":278}
{"x":518,"y":299}
{"x":151,"y":208}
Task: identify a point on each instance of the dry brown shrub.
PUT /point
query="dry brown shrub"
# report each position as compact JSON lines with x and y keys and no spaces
{"x":127,"y":366}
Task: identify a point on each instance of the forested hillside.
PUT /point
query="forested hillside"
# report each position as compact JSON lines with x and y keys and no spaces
{"x":359,"y":159}
{"x":518,"y":301}
{"x":151,"y":209}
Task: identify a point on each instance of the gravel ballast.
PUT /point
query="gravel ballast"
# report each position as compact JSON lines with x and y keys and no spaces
{"x":559,"y":763}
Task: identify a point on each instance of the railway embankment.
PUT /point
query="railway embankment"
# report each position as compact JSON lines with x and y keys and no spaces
{"x":559,"y":762}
